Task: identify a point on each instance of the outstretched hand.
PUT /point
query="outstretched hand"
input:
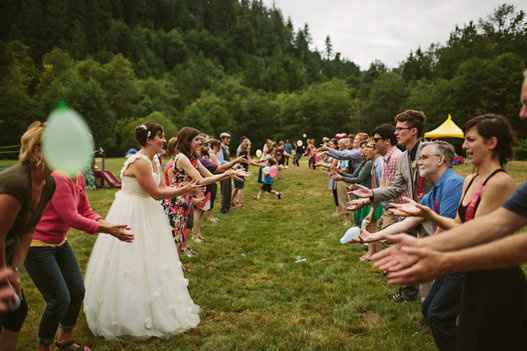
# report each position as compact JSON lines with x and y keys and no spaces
{"x":428,"y":265}
{"x":409,"y":208}
{"x":361,"y":191}
{"x":393,"y":258}
{"x":121,"y":232}
{"x":240,"y":174}
{"x":193,"y":187}
{"x":356,"y":204}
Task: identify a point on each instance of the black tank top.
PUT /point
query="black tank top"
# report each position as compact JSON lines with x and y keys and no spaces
{"x":467,"y":213}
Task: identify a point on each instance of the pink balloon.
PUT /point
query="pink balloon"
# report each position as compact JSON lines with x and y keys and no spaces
{"x":274,"y":171}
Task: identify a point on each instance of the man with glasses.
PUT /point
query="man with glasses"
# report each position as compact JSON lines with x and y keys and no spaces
{"x":409,"y":128}
{"x":386,"y":146}
{"x":484,"y":243}
{"x":442,"y":304}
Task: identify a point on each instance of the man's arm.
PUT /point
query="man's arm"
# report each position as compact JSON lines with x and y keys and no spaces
{"x":352,"y":155}
{"x":506,"y":252}
{"x":399,"y":185}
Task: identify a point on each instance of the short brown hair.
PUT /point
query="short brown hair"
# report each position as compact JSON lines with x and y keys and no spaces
{"x":491,"y":125}
{"x":415,"y":119}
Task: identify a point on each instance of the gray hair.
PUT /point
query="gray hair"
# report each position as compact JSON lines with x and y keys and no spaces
{"x":444,"y":149}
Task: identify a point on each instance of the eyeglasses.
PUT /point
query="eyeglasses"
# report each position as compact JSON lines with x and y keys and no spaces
{"x":426,"y":157}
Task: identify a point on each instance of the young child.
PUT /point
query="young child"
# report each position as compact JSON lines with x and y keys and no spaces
{"x":267,"y":184}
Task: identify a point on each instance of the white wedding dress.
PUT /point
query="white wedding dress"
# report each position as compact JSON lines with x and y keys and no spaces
{"x":137,"y":289}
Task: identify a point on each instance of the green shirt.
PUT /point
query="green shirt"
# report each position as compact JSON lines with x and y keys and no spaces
{"x":16,"y":181}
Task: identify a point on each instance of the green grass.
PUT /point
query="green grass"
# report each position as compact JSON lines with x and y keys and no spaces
{"x":252,"y":293}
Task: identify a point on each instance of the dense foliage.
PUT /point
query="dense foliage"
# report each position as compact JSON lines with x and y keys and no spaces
{"x":235,"y":65}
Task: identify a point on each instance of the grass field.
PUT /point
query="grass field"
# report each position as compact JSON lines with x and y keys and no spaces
{"x":255,"y":297}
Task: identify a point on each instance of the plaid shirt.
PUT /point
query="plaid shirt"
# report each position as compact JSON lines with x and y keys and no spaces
{"x":391,"y":161}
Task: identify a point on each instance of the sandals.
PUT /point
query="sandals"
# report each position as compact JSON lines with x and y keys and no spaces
{"x":71,"y":345}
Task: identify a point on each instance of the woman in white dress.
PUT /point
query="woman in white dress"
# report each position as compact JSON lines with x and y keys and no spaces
{"x":138,"y":289}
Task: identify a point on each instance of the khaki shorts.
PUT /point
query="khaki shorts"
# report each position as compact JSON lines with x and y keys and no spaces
{"x":342,"y":194}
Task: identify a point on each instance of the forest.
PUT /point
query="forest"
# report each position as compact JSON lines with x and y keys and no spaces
{"x":237,"y":66}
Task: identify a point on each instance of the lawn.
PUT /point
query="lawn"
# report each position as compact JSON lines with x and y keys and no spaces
{"x":253,"y":293}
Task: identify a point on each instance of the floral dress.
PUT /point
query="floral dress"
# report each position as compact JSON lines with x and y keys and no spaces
{"x":180,"y":209}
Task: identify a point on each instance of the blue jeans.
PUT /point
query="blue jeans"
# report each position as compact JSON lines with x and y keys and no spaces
{"x":441,"y":309}
{"x":57,"y":276}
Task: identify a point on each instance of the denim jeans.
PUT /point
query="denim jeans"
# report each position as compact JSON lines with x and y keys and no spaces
{"x":441,"y":309}
{"x":57,"y":276}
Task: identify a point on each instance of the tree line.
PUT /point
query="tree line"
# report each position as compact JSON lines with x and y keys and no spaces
{"x":238,"y":66}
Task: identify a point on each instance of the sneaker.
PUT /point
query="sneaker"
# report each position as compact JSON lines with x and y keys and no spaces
{"x":190,"y":253}
{"x":279,"y":196}
{"x":399,"y":297}
{"x":197,"y":239}
{"x":214,"y":220}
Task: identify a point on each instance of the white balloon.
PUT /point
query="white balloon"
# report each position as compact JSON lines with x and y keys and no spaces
{"x":67,"y":143}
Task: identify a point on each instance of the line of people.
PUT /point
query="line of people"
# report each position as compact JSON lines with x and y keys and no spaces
{"x":473,"y":293}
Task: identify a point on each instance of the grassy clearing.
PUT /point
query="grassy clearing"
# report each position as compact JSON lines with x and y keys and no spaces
{"x":255,"y":297}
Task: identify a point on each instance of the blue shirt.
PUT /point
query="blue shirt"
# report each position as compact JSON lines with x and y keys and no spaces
{"x":445,"y":195}
{"x":517,"y":202}
{"x":221,"y":158}
{"x":353,"y":155}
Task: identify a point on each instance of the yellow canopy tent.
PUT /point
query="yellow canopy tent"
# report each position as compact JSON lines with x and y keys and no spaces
{"x":448,"y":129}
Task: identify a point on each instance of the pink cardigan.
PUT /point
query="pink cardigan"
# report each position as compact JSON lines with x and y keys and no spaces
{"x":69,"y":207}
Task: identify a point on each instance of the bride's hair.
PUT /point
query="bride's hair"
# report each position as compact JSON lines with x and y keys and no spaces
{"x":184,"y":139}
{"x":147,"y":131}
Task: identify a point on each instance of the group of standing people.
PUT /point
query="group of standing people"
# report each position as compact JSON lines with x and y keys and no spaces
{"x":450,"y":221}
{"x":458,"y":256}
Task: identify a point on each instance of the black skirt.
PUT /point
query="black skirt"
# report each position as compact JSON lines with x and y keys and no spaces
{"x":493,"y":311}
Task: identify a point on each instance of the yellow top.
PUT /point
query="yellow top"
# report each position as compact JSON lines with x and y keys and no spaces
{"x":448,"y":129}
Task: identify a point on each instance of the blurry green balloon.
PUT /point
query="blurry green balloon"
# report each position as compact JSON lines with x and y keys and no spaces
{"x":67,"y":143}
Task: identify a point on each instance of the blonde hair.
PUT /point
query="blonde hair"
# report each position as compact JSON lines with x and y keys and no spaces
{"x":362,"y":136}
{"x":31,"y":138}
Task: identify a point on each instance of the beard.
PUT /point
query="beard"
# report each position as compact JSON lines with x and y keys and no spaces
{"x":427,"y":171}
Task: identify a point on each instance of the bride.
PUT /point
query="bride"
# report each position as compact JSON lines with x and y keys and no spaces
{"x":138,"y":289}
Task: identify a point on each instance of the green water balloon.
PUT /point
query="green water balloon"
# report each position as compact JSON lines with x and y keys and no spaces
{"x":67,"y":143}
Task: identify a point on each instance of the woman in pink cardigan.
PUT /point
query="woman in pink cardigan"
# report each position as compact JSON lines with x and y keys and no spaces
{"x":52,"y":265}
